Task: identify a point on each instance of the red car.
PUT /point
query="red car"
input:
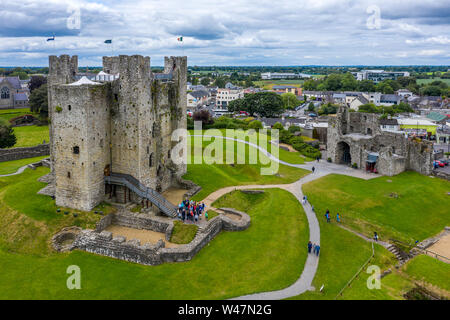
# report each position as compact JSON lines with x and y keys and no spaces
{"x":438,"y":163}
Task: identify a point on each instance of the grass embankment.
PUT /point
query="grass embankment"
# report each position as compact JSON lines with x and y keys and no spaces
{"x":28,"y":136}
{"x":216,"y":176}
{"x":406,"y":207}
{"x":183,"y":233}
{"x":343,"y":253}
{"x":28,"y":220}
{"x":232,"y":264}
{"x":284,"y":155}
{"x":8,"y":114}
{"x":8,"y":167}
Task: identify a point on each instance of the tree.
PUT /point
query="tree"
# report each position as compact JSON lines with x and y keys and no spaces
{"x":366,"y":86}
{"x":311,"y":107}
{"x":256,"y":124}
{"x":290,"y":100}
{"x":204,"y":116}
{"x":266,"y":104}
{"x":205,"y":81}
{"x":328,"y":108}
{"x":39,"y":101}
{"x":220,"y":82}
{"x":430,"y":91}
{"x":368,"y":108}
{"x":349,"y":83}
{"x":36,"y":82}
{"x":7,"y":136}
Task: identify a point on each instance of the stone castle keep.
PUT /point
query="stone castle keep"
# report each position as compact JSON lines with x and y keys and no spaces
{"x":113,"y":138}
{"x":357,"y":138}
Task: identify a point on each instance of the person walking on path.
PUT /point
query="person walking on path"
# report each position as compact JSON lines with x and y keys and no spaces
{"x":317,"y":250}
{"x":312,"y":208}
{"x":327,"y":215}
{"x":338,"y":218}
{"x":313,"y":169}
{"x":309,"y":246}
{"x":375,"y":236}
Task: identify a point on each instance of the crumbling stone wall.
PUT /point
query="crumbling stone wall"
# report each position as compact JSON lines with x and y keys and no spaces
{"x":103,"y":243}
{"x":362,"y":134}
{"x":23,"y":153}
{"x":124,"y":126}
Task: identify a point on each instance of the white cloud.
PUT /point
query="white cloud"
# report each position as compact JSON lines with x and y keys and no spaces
{"x":226,"y":32}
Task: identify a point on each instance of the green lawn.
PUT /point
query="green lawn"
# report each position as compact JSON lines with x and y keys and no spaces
{"x":430,"y":270}
{"x":232,"y":264}
{"x":183,"y":233}
{"x":410,"y":207}
{"x":28,"y":136}
{"x":8,"y":114}
{"x":12,"y":166}
{"x":342,"y":254}
{"x":216,"y":176}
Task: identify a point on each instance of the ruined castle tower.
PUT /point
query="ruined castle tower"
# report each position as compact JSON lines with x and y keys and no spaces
{"x":122,"y":126}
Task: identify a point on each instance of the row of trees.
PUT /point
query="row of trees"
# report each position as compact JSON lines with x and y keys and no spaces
{"x":347,"y":82}
{"x":265,"y":104}
{"x":402,"y":107}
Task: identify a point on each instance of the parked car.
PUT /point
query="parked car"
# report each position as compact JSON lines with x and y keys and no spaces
{"x":444,"y":161}
{"x":437,"y":163}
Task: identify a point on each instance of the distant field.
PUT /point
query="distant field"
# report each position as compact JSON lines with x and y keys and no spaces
{"x":426,"y":81}
{"x":268,"y":84}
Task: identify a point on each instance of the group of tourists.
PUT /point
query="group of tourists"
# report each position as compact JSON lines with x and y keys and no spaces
{"x":328,"y":217}
{"x":189,"y":210}
{"x":313,"y":248}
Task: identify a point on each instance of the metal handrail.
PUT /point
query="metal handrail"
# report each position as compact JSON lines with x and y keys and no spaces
{"x":414,"y":246}
{"x":143,"y":191}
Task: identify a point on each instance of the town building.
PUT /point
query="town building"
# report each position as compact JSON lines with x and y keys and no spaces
{"x":12,"y":93}
{"x":225,"y":96}
{"x":379,"y":75}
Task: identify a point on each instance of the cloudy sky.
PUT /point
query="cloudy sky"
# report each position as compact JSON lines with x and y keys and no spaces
{"x":229,"y":32}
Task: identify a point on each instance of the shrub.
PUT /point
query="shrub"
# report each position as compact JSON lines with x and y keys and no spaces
{"x":58,"y":109}
{"x":7,"y":136}
{"x":354,"y":165}
{"x":204,"y":116}
{"x":294,"y":129}
{"x":256,"y":124}
{"x":278,"y":126}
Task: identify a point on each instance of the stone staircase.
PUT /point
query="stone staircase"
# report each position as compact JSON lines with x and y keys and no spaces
{"x":401,"y":256}
{"x":144,"y":192}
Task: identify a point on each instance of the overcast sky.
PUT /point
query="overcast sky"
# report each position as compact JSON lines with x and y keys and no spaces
{"x":229,"y":32}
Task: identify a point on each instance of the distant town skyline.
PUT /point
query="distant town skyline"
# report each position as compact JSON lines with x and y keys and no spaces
{"x":231,"y":33}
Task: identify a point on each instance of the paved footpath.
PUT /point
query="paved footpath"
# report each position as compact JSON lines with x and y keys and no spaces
{"x":322,"y":169}
{"x":21,"y":169}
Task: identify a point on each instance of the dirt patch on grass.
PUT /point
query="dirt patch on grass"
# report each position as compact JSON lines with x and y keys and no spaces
{"x":442,"y":246}
{"x":232,"y":216}
{"x":145,"y":236}
{"x":174,"y":195}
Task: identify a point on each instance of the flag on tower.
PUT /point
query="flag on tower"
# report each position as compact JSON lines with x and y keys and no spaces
{"x":180,"y":39}
{"x":51,"y":39}
{"x":108,"y":41}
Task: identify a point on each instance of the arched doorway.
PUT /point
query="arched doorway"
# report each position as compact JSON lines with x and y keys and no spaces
{"x":343,"y":153}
